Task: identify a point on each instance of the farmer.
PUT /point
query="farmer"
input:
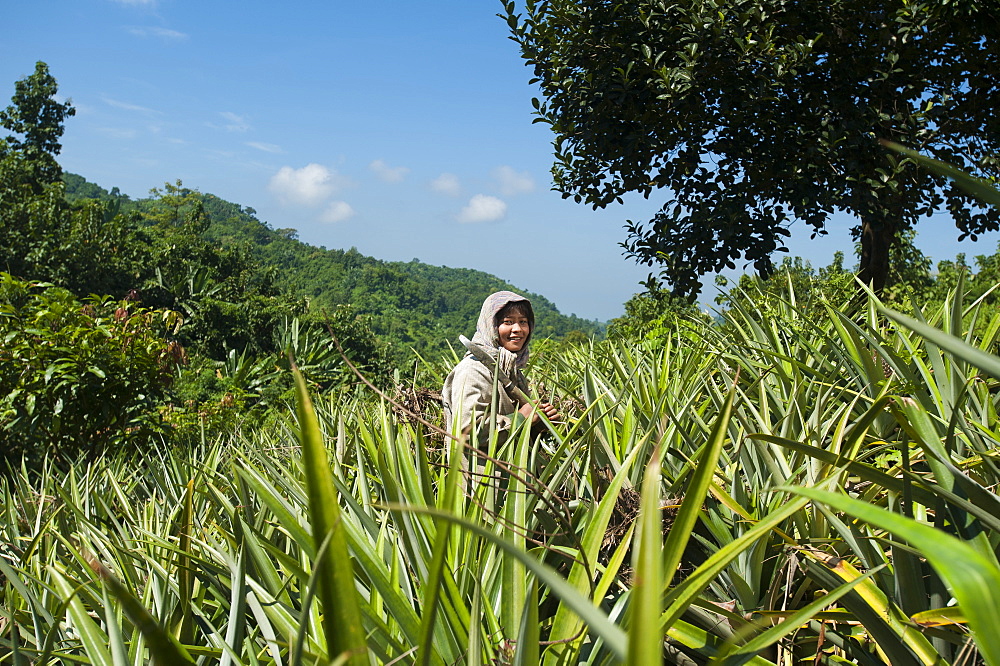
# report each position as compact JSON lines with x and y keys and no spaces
{"x":498,"y":351}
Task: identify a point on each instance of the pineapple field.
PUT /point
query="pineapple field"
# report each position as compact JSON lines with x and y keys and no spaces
{"x":800,"y":481}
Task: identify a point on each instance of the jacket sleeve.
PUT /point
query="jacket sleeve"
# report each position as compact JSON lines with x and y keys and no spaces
{"x":468,"y":394}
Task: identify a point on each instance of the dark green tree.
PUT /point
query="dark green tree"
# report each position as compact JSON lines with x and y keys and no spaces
{"x":37,"y":117}
{"x":87,"y":247}
{"x":230,"y":301}
{"x":78,"y":377}
{"x":750,"y":115}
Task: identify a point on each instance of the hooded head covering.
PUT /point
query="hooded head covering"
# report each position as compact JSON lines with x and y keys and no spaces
{"x":488,"y":337}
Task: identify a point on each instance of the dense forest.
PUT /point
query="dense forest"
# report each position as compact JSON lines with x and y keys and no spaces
{"x":412,"y":305}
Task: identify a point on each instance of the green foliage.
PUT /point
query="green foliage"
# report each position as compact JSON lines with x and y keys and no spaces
{"x":37,"y":117}
{"x":751,"y":115}
{"x":653,"y":314}
{"x":77,"y":377}
{"x":796,"y":284}
{"x":575,"y":337}
{"x":175,"y":207}
{"x":342,"y":628}
{"x":79,"y":188}
{"x":228,"y":299}
{"x":411,"y":305}
{"x":208,"y":253}
{"x":212,"y":399}
{"x":90,"y":247}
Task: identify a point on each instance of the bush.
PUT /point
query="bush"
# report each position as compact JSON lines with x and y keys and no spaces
{"x":654,"y":314}
{"x":78,"y":377}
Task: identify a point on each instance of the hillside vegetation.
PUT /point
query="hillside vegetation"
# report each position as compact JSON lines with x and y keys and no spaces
{"x":411,"y":305}
{"x":241,"y":299}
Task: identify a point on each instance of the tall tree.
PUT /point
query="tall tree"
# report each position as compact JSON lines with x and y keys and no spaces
{"x":753,"y":114}
{"x":88,"y":247}
{"x":37,"y":116}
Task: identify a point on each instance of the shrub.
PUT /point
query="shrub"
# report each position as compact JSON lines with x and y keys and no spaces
{"x":78,"y":377}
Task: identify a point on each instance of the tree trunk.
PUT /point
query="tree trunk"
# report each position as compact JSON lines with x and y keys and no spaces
{"x":877,"y":237}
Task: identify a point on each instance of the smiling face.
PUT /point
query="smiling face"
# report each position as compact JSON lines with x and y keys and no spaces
{"x":513,"y":328}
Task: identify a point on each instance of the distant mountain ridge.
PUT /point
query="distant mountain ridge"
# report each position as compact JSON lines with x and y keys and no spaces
{"x":411,"y":304}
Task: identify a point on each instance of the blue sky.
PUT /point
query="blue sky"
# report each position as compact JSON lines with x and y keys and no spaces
{"x":400,"y":128}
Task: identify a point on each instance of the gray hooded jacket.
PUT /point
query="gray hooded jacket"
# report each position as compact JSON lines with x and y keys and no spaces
{"x":469,"y":388}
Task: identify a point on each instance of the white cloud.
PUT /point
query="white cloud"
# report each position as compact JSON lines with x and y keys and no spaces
{"x":236,"y":123}
{"x":447,"y":183}
{"x":266,"y":147}
{"x":337,"y":211}
{"x":126,"y":106}
{"x":162,"y":33}
{"x":483,"y":208}
{"x":308,"y":186}
{"x":387,"y":173}
{"x":512,"y":182}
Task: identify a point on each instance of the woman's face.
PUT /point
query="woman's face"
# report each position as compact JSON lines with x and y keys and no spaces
{"x":513,"y":331}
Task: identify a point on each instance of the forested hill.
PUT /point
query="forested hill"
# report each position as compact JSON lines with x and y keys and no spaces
{"x":411,"y":304}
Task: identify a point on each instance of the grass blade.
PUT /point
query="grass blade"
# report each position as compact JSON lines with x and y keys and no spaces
{"x":956,"y":346}
{"x":697,"y":490}
{"x":164,"y":649}
{"x":341,"y":612}
{"x":744,"y":653}
{"x":977,"y":187}
{"x":183,"y":622}
{"x":94,"y":640}
{"x":526,"y":653}
{"x":645,"y":637}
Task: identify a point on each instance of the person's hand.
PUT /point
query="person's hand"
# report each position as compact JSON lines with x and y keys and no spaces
{"x":531,"y":411}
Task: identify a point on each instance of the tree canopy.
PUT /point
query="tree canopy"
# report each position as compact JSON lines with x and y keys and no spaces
{"x":750,"y":115}
{"x":37,"y":117}
{"x":87,"y":247}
